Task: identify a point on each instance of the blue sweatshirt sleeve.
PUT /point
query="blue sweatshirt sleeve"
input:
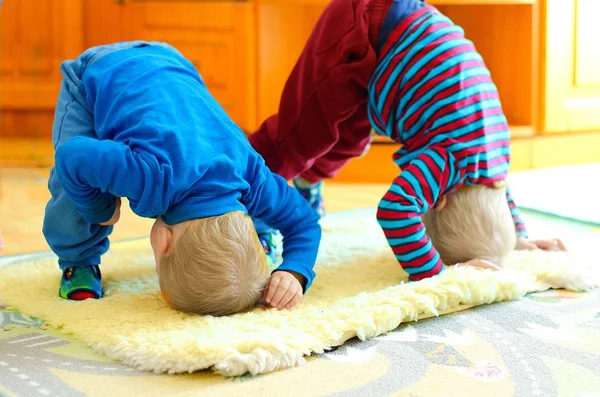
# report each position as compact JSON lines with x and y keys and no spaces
{"x":94,"y":172}
{"x":271,"y":199}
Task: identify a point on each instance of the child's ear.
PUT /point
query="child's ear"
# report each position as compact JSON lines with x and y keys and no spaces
{"x":160,"y":238}
{"x":440,"y":203}
{"x":165,"y":238}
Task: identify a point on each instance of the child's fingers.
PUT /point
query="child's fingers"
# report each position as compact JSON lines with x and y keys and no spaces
{"x":530,"y":245}
{"x":263,"y":297}
{"x":295,"y":299}
{"x":116,"y":215}
{"x":482,"y":264}
{"x":543,"y":244}
{"x":287,"y":298}
{"x":282,"y":288}
{"x":273,"y":284}
{"x":550,"y":245}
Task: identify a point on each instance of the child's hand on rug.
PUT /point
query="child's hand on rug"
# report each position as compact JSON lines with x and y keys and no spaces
{"x":480,"y":264}
{"x":546,"y":245}
{"x":116,"y":216}
{"x":284,"y":290}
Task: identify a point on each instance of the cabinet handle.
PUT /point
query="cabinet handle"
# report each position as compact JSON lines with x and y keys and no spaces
{"x":118,"y":2}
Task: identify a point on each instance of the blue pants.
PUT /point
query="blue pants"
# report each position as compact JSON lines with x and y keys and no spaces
{"x":73,"y":240}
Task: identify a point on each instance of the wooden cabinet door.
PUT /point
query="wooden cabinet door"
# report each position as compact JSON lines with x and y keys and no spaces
{"x":572,"y":66}
{"x":36,"y":37}
{"x":283,"y":29}
{"x":217,"y":37}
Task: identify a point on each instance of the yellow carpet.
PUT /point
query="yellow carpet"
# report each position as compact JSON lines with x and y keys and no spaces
{"x":357,"y":292}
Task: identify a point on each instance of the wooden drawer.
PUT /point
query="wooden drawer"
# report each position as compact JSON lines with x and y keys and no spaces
{"x":35,"y":37}
{"x":217,"y":37}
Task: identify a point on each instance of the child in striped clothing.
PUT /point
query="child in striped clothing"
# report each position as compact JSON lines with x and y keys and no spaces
{"x":405,"y":70}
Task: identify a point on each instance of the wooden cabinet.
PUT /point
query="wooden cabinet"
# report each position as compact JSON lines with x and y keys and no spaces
{"x":282,"y":29}
{"x":504,"y":35}
{"x":504,"y":32}
{"x":544,"y":57}
{"x":36,"y":36}
{"x":217,"y":37}
{"x":572,"y":66}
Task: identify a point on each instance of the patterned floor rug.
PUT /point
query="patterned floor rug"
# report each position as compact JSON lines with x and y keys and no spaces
{"x":533,"y":346}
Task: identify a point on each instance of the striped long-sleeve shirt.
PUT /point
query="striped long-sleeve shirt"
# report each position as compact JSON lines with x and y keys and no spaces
{"x":432,"y":92}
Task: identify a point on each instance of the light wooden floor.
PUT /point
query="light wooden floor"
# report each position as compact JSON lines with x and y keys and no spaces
{"x":23,"y":196}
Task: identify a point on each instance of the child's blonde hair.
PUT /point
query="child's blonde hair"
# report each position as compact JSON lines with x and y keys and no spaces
{"x":475,"y":224}
{"x":218,"y":267}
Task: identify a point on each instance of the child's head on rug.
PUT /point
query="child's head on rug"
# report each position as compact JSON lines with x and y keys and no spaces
{"x":212,"y":265}
{"x":473,"y":222}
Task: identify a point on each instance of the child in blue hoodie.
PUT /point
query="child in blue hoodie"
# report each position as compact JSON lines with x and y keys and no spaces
{"x":135,"y":120}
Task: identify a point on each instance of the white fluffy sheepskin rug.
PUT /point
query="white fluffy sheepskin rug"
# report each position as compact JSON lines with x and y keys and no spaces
{"x":360,"y":291}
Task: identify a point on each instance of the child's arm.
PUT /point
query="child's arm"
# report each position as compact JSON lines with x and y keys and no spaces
{"x":523,"y":242}
{"x":516,"y":216}
{"x":413,"y":193}
{"x":95,"y":172}
{"x":272,"y":200}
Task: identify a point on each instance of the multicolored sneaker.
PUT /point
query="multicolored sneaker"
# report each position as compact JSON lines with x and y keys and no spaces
{"x":269,"y":246}
{"x":313,"y":193}
{"x":81,"y":282}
